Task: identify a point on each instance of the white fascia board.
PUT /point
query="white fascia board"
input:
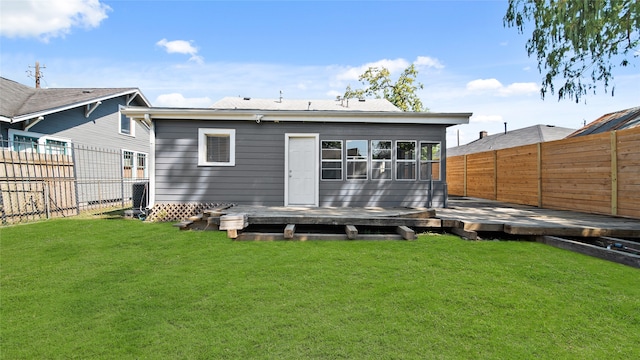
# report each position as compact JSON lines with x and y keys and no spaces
{"x":74,"y":105}
{"x":138,"y":113}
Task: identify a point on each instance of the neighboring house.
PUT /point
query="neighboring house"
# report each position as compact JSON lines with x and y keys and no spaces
{"x":85,"y":123}
{"x":298,"y":153}
{"x":525,"y":136}
{"x":619,"y":120}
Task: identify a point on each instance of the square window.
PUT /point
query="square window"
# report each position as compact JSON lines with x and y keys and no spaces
{"x":216,"y":147}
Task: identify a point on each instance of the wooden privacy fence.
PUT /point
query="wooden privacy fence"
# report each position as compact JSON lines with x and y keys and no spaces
{"x":596,"y":174}
{"x":34,"y":184}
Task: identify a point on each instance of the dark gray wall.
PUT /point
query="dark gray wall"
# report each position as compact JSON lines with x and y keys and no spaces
{"x":258,"y":176}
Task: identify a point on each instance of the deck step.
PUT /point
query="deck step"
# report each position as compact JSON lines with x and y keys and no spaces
{"x":183,"y":225}
{"x":351,"y":231}
{"x":406,"y":232}
{"x":289,"y":231}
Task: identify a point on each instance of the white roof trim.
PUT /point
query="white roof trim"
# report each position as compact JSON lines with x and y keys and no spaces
{"x":139,"y":113}
{"x":37,"y":114}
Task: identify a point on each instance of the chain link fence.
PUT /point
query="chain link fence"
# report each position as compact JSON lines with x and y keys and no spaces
{"x":42,"y":181}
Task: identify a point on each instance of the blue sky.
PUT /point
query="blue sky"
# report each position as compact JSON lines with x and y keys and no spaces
{"x":192,"y":53}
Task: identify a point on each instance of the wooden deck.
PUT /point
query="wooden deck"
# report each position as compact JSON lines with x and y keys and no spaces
{"x":477,"y":215}
{"x":463,"y":216}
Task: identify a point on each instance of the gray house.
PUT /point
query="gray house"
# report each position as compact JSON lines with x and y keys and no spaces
{"x":297,"y":153}
{"x":84,"y":123}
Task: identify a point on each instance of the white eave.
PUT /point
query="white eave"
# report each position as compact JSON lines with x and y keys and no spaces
{"x":92,"y":102}
{"x":449,"y":119}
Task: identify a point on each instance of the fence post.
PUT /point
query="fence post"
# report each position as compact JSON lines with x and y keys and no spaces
{"x":47,"y":208}
{"x":122,"y":177}
{"x":74,"y":159}
{"x":614,"y":173}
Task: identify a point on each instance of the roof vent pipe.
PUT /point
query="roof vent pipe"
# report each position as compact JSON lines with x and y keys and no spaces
{"x":505,"y":127}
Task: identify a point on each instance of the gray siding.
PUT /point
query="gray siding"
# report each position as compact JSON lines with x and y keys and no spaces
{"x":258,"y":176}
{"x":98,"y":147}
{"x":99,"y":130}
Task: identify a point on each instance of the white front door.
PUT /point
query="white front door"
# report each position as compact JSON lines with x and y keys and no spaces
{"x":301,"y":170}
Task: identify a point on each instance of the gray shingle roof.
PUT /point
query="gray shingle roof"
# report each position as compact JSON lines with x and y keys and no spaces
{"x":291,"y":104}
{"x":525,"y":136}
{"x":619,"y":120}
{"x":18,"y":102}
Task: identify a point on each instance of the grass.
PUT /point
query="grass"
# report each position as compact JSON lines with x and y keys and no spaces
{"x":124,"y":289}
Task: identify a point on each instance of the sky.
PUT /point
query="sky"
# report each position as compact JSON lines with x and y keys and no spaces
{"x":193,"y":53}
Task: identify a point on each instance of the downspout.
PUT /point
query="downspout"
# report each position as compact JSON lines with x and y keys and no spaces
{"x":152,"y":161}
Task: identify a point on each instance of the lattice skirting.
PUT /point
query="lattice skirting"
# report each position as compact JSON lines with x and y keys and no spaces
{"x":179,"y":212}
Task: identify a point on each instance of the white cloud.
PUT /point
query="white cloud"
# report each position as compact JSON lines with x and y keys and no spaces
{"x":178,"y":100}
{"x":181,"y":47}
{"x":520,"y":89}
{"x":484,"y":85}
{"x":49,"y":19}
{"x":352,"y":73}
{"x":426,"y":61}
{"x":496,"y":87}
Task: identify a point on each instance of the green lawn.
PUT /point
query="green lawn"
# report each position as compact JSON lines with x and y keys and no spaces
{"x":124,"y":289}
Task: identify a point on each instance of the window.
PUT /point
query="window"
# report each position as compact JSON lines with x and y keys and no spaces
{"x":127,"y":126}
{"x":429,"y":161}
{"x":381,"y":160}
{"x":331,"y":160}
{"x":405,"y":160}
{"x":357,"y":154}
{"x":216,"y":147}
{"x":141,"y":165}
{"x":127,"y":164}
{"x":134,"y":165}
{"x":39,"y":143}
{"x":25,"y":143}
{"x":55,"y":147}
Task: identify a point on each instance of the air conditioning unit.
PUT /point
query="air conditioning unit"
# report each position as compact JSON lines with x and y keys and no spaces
{"x":140,"y":195}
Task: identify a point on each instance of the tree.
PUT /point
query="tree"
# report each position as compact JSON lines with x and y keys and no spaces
{"x":578,"y":42}
{"x":402,"y":93}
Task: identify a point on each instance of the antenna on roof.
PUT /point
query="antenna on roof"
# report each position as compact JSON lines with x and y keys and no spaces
{"x":280,"y":96}
{"x":37,"y":75}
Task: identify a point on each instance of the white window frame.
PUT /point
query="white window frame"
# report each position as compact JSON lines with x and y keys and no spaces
{"x":356,"y":161}
{"x":340,"y":161}
{"x":42,"y":140}
{"x":428,"y":162}
{"x":203,"y":133}
{"x":132,"y":124}
{"x":398,"y":161}
{"x":374,"y":161}
{"x":134,"y":164}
